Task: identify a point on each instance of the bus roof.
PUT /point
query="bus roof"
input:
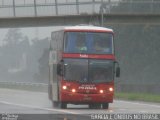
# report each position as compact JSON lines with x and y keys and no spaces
{"x":87,"y":28}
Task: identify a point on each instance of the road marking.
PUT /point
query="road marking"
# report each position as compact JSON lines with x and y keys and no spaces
{"x":36,"y":107}
{"x":138,"y":103}
{"x":143,"y":112}
{"x":24,"y":83}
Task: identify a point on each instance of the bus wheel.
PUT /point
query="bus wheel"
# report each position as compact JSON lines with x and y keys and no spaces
{"x":105,"y":105}
{"x":63,"y":105}
{"x":50,"y":92}
{"x":94,"y":106}
{"x":55,"y":104}
{"x":90,"y":106}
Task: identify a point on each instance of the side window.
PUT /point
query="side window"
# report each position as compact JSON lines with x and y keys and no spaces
{"x":65,"y":42}
{"x":53,"y":41}
{"x":70,"y":41}
{"x":60,"y":40}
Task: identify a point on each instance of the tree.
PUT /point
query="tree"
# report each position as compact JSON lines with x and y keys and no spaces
{"x":137,"y":49}
{"x":13,"y":37}
{"x":38,"y":59}
{"x":13,"y":51}
{"x":43,"y":65}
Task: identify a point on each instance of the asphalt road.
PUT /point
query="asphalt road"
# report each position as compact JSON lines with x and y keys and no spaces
{"x":27,"y":102}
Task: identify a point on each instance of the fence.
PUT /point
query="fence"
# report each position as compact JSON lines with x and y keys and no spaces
{"x":24,"y":8}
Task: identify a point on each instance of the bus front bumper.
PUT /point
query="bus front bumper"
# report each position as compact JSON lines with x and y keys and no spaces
{"x":79,"y":98}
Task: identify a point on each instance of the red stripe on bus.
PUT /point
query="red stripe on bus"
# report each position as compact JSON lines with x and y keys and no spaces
{"x":95,"y":56}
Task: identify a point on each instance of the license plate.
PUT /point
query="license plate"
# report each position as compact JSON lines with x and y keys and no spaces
{"x":87,"y":98}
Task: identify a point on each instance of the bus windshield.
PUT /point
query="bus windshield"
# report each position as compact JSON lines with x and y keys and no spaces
{"x":88,"y":42}
{"x":90,"y":71}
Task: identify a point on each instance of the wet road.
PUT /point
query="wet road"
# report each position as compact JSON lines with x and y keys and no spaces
{"x":27,"y":102}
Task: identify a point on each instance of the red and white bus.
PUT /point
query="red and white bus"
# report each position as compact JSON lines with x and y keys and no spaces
{"x":82,"y":66}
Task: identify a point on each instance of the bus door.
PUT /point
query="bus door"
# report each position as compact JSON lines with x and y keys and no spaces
{"x":53,"y":75}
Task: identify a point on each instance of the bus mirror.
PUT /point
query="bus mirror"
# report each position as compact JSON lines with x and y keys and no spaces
{"x":118,"y":71}
{"x":59,"y":69}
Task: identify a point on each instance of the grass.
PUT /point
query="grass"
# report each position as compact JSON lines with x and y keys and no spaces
{"x":138,"y":96}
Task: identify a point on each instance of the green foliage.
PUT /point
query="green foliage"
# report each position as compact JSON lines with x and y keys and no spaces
{"x":20,"y":60}
{"x":13,"y":36}
{"x":12,"y":51}
{"x":137,"y":6}
{"x":138,"y":96}
{"x":137,"y":48}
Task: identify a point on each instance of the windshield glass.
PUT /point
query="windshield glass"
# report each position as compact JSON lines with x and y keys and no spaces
{"x":101,"y":70}
{"x":84,"y":70}
{"x":88,"y":42}
{"x":76,"y":70}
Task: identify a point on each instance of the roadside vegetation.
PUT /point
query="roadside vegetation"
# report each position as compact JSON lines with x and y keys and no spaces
{"x":138,"y":97}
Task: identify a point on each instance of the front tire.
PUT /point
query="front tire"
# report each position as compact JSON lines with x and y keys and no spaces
{"x":55,"y":104}
{"x":94,"y":106}
{"x":105,"y":105}
{"x":63,"y":105}
{"x":50,"y":92}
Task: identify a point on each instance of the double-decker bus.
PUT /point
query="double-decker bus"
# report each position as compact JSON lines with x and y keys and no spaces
{"x":82,"y":66}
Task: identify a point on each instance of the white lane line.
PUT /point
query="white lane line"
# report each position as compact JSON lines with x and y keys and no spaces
{"x":22,"y":83}
{"x":137,"y":103}
{"x":143,"y":112}
{"x":36,"y":107}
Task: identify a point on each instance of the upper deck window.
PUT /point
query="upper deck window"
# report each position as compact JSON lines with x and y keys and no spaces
{"x":88,"y":42}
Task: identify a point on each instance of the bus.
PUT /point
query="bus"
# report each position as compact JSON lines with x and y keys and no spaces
{"x":82,"y":66}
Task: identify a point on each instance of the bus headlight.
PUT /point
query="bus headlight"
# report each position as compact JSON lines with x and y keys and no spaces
{"x":73,"y":90}
{"x":64,"y":87}
{"x":101,"y":91}
{"x":111,"y":89}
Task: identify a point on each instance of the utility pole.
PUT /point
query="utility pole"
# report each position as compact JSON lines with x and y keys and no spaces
{"x":56,"y":6}
{"x":77,"y":6}
{"x":14,"y":9}
{"x":93,"y":6}
{"x":101,"y":12}
{"x":35,"y":8}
